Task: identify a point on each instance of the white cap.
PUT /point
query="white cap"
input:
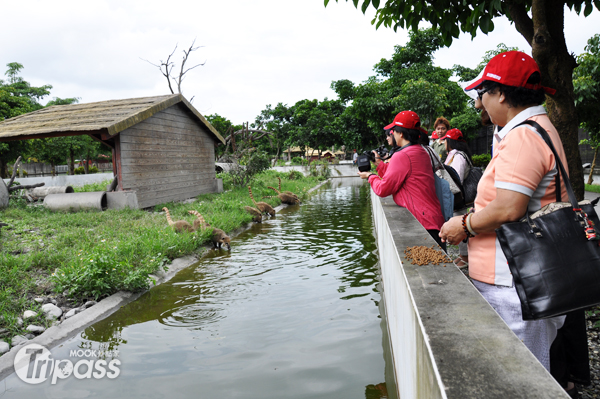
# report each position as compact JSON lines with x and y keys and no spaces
{"x":471,"y":93}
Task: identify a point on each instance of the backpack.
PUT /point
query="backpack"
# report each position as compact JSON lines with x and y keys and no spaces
{"x":471,"y":180}
{"x":459,"y":194}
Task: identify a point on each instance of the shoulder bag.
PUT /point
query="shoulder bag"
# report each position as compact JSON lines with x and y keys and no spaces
{"x":554,"y":253}
{"x":445,"y":172}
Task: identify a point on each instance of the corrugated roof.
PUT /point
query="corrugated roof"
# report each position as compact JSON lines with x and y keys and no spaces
{"x":111,"y":117}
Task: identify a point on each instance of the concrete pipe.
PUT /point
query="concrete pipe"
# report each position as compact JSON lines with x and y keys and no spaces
{"x":42,"y":192}
{"x":76,"y":201}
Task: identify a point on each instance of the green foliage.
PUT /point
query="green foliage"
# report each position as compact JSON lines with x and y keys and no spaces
{"x":586,"y":85}
{"x":299,"y":161}
{"x":295,"y":175}
{"x":407,"y":80}
{"x":250,"y":164}
{"x":594,"y":188}
{"x":10,"y":171}
{"x":93,"y":187}
{"x":462,"y":16}
{"x":97,"y":274}
{"x":81,"y":171}
{"x":427,"y":99}
{"x":481,"y":160}
{"x":468,"y":122}
{"x":320,"y":169}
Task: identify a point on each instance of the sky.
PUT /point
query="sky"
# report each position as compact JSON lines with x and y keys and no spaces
{"x":255,"y":52}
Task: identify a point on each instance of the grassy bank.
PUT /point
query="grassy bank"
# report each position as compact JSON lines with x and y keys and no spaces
{"x":89,"y":255}
{"x":593,"y":188}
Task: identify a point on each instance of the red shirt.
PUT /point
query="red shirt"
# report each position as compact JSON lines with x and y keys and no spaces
{"x":409,"y":178}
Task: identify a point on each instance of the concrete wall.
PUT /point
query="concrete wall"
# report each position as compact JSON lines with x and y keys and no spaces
{"x":343,"y":170}
{"x":65,"y":180}
{"x":447,"y":342}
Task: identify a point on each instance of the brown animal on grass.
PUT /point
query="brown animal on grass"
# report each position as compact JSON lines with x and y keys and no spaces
{"x":256,"y":214}
{"x":285,"y":198}
{"x":287,"y":192}
{"x":262,"y":206}
{"x":218,"y":236}
{"x":180,"y":225}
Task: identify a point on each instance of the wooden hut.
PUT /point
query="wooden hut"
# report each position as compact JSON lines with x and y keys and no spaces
{"x":162,"y":147}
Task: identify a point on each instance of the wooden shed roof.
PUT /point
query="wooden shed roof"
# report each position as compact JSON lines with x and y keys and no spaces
{"x":105,"y":117}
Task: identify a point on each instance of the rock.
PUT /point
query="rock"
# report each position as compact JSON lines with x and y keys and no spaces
{"x":18,"y":340}
{"x":35,"y":329}
{"x":3,"y":332}
{"x":52,"y":311}
{"x":4,"y":347}
{"x":29,"y":314}
{"x":39,"y":300}
{"x":89,"y":304}
{"x":29,"y":336}
{"x":72,"y":312}
{"x":19,"y":321}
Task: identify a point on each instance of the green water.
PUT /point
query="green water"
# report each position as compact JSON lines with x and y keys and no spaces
{"x":291,"y":312}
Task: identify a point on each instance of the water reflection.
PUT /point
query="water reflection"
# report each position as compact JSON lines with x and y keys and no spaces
{"x":291,"y":311}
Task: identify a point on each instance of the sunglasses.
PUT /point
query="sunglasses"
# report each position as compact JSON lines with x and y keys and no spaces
{"x":481,"y":92}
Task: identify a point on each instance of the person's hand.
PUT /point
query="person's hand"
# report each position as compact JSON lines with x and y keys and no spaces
{"x":377,"y":158}
{"x":452,"y":231}
{"x":364,"y":175}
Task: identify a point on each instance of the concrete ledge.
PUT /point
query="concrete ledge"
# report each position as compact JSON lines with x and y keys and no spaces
{"x":447,"y":341}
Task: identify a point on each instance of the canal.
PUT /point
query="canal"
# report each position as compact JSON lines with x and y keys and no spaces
{"x":292,"y":311}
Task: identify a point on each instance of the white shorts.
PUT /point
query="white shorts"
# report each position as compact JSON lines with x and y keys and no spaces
{"x":537,"y":335}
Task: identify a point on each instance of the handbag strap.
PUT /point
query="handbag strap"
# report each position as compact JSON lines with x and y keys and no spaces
{"x":561,"y":169}
{"x":436,"y":164}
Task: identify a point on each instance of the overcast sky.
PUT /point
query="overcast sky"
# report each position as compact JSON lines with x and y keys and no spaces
{"x":256,"y":52}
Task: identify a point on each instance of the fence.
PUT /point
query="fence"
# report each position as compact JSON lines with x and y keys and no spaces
{"x":45,"y":169}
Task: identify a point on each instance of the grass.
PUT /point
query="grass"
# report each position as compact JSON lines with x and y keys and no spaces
{"x":595,"y":188}
{"x":90,"y":254}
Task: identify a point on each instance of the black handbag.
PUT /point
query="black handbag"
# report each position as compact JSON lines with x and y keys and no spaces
{"x":554,"y":253}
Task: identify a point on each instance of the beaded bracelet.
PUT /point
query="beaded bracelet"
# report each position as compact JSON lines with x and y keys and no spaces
{"x":464,"y":225}
{"x":469,"y":225}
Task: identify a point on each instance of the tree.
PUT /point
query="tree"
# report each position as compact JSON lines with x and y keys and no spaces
{"x":540,"y":22}
{"x":51,"y":150}
{"x":17,"y":97}
{"x":277,"y":121}
{"x":395,"y":87}
{"x":586,"y":82}
{"x":425,"y":98}
{"x":166,"y":68}
{"x":314,"y":124}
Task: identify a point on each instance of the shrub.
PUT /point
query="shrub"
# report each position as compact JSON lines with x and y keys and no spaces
{"x":80,"y":170}
{"x":299,"y":161}
{"x":295,"y":175}
{"x":481,"y":160}
{"x":320,"y":168}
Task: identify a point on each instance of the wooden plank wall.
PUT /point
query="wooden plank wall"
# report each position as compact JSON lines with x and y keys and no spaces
{"x":167,"y":157}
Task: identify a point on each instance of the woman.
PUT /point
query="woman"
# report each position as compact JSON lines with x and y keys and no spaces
{"x":459,"y":154}
{"x":408,"y":176}
{"x":440,"y":127}
{"x":459,"y":157}
{"x":520,"y":177}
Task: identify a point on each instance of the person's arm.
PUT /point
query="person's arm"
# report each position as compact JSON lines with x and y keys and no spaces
{"x":509,"y":206}
{"x":459,"y":163}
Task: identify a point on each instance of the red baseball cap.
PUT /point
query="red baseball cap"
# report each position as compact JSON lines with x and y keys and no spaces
{"x":434,"y":135}
{"x":406,"y":119}
{"x":453,"y":134}
{"x":511,"y":68}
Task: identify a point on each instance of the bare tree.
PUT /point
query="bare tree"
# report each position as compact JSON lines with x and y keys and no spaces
{"x":166,"y":67}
